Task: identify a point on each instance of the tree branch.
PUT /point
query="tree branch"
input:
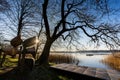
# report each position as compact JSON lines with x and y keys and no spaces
{"x":63,"y":16}
{"x":62,"y":13}
{"x":45,"y":18}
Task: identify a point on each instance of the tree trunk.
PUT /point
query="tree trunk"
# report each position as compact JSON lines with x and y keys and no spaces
{"x":43,"y":59}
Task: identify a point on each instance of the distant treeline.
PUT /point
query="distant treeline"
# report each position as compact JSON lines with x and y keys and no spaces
{"x":86,"y":51}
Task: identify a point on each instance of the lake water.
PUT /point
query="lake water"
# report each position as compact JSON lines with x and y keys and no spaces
{"x":91,"y":61}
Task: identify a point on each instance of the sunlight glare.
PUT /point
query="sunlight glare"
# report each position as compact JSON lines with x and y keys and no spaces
{"x":37,"y":41}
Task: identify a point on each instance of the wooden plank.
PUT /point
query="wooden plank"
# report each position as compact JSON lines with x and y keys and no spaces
{"x":101,"y":70}
{"x":90,"y":72}
{"x":113,"y":72}
{"x":114,"y":76}
{"x":103,"y":75}
{"x":65,"y":71}
{"x":86,"y":73}
{"x":74,"y":75}
{"x":89,"y":68}
{"x":79,"y":70}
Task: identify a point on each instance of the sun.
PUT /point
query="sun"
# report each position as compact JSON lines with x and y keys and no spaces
{"x":37,"y":41}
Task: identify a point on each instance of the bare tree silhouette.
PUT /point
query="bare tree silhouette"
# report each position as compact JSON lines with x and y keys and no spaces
{"x":64,"y":19}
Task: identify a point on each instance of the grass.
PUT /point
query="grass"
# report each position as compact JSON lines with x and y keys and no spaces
{"x":53,"y":59}
{"x":41,"y":73}
{"x":64,"y":78}
{"x":113,"y":61}
{"x":10,"y":62}
{"x":63,"y":58}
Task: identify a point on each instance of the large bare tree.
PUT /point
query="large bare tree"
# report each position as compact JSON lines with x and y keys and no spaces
{"x":67,"y":18}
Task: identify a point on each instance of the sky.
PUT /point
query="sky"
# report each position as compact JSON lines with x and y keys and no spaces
{"x":113,"y":18}
{"x":115,"y":4}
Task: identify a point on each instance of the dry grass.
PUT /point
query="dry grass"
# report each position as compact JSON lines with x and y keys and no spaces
{"x":63,"y":58}
{"x":113,"y":61}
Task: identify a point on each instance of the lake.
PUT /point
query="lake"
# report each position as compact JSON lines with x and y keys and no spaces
{"x":91,"y":59}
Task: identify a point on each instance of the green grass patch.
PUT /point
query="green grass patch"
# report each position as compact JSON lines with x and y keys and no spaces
{"x":13,"y":59}
{"x":51,"y":64}
{"x":64,"y":78}
{"x":10,"y":62}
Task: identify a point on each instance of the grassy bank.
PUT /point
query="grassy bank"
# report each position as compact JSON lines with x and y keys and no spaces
{"x":38,"y":72}
{"x":53,"y":58}
{"x":113,"y":61}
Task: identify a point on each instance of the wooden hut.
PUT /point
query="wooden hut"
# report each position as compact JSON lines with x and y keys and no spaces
{"x":16,"y":41}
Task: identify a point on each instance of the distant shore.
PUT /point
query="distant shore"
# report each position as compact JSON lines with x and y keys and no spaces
{"x":87,"y":51}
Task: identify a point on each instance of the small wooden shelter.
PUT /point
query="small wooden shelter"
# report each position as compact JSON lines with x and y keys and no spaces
{"x":16,"y":41}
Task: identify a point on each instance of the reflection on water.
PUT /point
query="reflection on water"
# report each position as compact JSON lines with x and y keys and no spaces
{"x":91,"y":61}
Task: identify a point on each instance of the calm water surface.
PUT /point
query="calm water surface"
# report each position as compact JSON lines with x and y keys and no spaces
{"x":91,"y":61}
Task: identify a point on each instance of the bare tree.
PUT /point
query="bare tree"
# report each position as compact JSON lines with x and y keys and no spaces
{"x":69,"y":18}
{"x":20,"y":18}
{"x":20,"y":14}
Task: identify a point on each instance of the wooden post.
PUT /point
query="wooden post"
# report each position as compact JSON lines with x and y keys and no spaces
{"x":3,"y":60}
{"x":19,"y":58}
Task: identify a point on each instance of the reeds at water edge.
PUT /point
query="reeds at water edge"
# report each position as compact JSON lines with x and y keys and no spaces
{"x":63,"y":58}
{"x":113,"y":61}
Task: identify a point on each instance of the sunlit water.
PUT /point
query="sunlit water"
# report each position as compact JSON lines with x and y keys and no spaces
{"x":91,"y":61}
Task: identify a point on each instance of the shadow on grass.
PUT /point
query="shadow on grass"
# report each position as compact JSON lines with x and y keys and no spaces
{"x":13,"y":74}
{"x":37,"y":73}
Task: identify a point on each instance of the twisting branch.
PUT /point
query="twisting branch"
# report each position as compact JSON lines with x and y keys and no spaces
{"x":64,"y":15}
{"x":40,"y":29}
{"x":64,"y":37}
